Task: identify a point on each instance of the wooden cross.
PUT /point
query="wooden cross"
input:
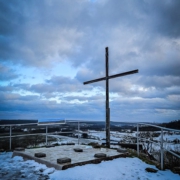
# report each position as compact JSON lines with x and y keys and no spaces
{"x":107,"y":77}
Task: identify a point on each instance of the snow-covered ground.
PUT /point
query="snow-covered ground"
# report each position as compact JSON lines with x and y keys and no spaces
{"x":117,"y":169}
{"x":131,"y":138}
{"x":66,"y":139}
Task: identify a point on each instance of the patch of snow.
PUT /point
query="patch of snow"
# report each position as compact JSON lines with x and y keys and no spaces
{"x":122,"y":168}
{"x":48,"y":171}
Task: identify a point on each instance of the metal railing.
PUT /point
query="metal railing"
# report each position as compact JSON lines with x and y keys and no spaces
{"x":27,"y":124}
{"x":162,"y":149}
{"x":46,"y":133}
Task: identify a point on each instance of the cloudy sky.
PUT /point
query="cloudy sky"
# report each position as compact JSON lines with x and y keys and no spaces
{"x":48,"y":48}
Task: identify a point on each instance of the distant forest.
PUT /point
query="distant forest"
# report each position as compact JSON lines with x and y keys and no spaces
{"x":173,"y":124}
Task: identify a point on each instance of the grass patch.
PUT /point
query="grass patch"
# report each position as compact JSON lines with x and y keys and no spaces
{"x":143,"y":157}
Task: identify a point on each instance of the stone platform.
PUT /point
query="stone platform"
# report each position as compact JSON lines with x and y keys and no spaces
{"x":53,"y":155}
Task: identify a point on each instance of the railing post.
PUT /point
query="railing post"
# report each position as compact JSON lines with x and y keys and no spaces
{"x":46,"y":134}
{"x":138,"y":139}
{"x":78,"y":132}
{"x":162,"y":149}
{"x":10,"y":134}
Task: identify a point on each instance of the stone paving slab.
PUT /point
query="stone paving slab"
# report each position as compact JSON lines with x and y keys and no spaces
{"x":77,"y":158}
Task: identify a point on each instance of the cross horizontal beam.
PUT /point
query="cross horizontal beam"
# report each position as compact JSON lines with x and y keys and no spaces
{"x":112,"y":76}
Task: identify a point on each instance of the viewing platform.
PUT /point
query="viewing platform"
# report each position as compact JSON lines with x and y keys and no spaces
{"x":66,"y":156}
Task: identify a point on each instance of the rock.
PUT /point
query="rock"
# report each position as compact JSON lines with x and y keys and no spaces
{"x":121,"y":150}
{"x":56,"y":144}
{"x":43,"y":177}
{"x":19,"y":149}
{"x":93,"y":144}
{"x":41,"y":170}
{"x":4,"y":173}
{"x":9,"y":150}
{"x":70,"y":143}
{"x":46,"y":177}
{"x":2,"y":150}
{"x":176,"y":170}
{"x":131,"y":146}
{"x":63,"y":160}
{"x":40,"y":155}
{"x":78,"y":150}
{"x":49,"y":146}
{"x":151,"y":170}
{"x":23,"y":176}
{"x":96,"y":146}
{"x":100,"y":155}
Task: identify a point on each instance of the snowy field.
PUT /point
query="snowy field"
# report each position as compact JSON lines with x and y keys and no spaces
{"x":131,"y":138}
{"x":117,"y":169}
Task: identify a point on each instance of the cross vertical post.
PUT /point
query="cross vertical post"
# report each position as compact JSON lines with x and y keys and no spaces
{"x":107,"y":101}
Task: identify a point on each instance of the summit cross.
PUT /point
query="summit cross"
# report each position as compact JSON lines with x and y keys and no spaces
{"x":106,"y":78}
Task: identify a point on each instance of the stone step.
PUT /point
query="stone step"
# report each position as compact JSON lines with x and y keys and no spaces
{"x":100,"y":155}
{"x":78,"y":150}
{"x":63,"y":160}
{"x":40,"y":155}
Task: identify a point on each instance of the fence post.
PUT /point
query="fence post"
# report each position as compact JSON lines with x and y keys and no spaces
{"x":78,"y":132}
{"x":46,"y":134}
{"x":10,"y":134}
{"x":138,"y":139}
{"x":162,"y":149}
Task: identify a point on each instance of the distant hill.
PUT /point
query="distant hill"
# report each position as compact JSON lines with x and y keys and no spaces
{"x":173,"y":124}
{"x":17,"y":121}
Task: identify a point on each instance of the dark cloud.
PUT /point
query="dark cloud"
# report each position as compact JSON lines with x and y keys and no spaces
{"x":41,"y":30}
{"x":166,"y":16}
{"x":27,"y":33}
{"x":141,"y":35}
